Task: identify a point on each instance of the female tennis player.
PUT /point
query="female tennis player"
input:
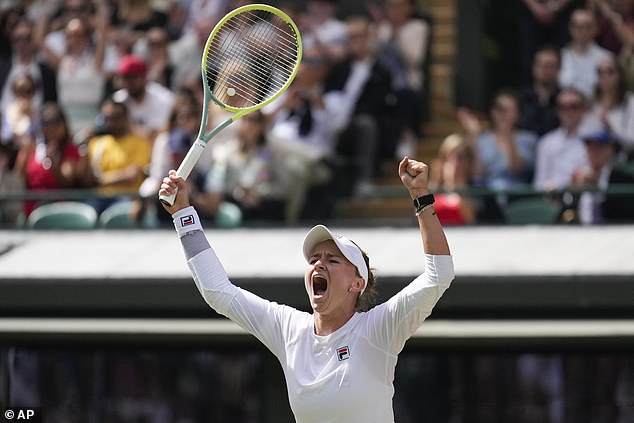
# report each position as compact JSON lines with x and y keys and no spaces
{"x":339,"y":360}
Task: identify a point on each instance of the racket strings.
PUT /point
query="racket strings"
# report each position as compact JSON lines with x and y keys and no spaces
{"x":289,"y":38}
{"x":286,"y":38}
{"x":261,"y":60}
{"x":251,"y":58}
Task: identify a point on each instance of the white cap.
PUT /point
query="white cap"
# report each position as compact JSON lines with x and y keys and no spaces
{"x":348,"y":248}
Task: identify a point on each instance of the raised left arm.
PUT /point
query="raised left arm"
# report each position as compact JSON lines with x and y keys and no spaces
{"x":415,"y":177}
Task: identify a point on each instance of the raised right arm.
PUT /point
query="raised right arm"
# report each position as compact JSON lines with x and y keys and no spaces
{"x":254,"y":314}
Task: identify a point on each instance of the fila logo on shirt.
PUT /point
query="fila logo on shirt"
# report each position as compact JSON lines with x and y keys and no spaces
{"x":187,"y":220}
{"x":343,"y":353}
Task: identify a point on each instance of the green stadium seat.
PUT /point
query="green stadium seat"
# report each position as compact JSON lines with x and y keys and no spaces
{"x":229,"y":216}
{"x":537,"y":210}
{"x":62,"y":215}
{"x":117,"y":216}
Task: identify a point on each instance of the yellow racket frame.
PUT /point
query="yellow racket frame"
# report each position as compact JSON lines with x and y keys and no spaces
{"x":241,"y":111}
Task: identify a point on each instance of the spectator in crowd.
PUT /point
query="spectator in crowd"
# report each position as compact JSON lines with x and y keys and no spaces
{"x":8,"y":19}
{"x":542,"y":22}
{"x":120,"y":44}
{"x":80,"y":78}
{"x":602,"y":173}
{"x":166,"y":149}
{"x":322,"y":30}
{"x":136,"y":17}
{"x":51,"y":160}
{"x":24,"y":60}
{"x":561,"y":151}
{"x":504,"y":156}
{"x":149,"y":103}
{"x":580,"y":57}
{"x":178,"y":143}
{"x":613,"y":106}
{"x":19,"y":117}
{"x":616,"y":33}
{"x":538,"y":102}
{"x":118,"y":159}
{"x":249,"y":174}
{"x":303,"y":129}
{"x":403,"y":45}
{"x":185,"y":54}
{"x":600,"y":151}
{"x":615,"y":23}
{"x":185,"y":117}
{"x":403,"y":37}
{"x":10,"y":182}
{"x":450,"y":175}
{"x":197,"y":11}
{"x":160,"y":69}
{"x":50,"y":28}
{"x":363,"y":87}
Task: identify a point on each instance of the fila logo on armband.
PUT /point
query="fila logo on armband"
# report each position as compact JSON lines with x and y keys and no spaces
{"x":188,"y":220}
{"x":343,"y":353}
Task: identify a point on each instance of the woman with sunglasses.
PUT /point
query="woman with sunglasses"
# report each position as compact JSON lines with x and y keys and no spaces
{"x":612,"y":107}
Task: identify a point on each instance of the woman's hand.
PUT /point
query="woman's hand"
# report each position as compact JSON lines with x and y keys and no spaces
{"x":415,"y":176}
{"x":169,"y":186}
{"x":470,"y":123}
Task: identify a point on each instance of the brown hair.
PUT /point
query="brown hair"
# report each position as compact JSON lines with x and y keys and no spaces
{"x":368,"y":299}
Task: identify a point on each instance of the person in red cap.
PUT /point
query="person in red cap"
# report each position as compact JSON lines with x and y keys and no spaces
{"x":338,"y":361}
{"x":149,"y":103}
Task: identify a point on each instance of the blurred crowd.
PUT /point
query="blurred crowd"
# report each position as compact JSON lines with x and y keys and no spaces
{"x":565,"y":132}
{"x":107,"y":95}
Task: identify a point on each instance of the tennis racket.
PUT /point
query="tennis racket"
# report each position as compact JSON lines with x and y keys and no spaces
{"x":251,"y":57}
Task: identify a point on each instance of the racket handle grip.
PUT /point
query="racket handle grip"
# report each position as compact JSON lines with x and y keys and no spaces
{"x":185,"y":168}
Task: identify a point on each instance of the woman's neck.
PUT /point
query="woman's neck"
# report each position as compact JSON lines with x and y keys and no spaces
{"x":326,"y":324}
{"x":580,"y":47}
{"x":608,"y":99}
{"x":504,"y":132}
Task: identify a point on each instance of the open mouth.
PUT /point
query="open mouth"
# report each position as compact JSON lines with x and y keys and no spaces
{"x":320,"y":284}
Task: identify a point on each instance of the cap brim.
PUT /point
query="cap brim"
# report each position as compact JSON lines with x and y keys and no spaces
{"x":316,"y":235}
{"x":350,"y":250}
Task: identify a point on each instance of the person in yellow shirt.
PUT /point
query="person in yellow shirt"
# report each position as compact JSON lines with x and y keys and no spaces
{"x":118,"y":158}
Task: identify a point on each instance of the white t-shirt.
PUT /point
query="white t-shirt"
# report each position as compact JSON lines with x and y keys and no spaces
{"x":154,"y":111}
{"x":331,"y":33}
{"x":348,"y":375}
{"x":559,"y":154}
{"x":80,"y":89}
{"x":411,"y":41}
{"x":620,"y":120}
{"x":579,"y":71}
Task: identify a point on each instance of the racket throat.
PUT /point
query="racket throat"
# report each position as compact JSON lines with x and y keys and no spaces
{"x":204,"y":138}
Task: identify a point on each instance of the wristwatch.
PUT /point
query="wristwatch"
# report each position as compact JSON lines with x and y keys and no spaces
{"x":423,"y":202}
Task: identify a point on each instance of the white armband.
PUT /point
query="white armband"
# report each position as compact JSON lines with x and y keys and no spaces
{"x":186,"y":220}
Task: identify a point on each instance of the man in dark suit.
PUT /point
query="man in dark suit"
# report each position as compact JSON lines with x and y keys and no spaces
{"x":538,"y":101}
{"x":611,"y":198}
{"x":618,"y":206}
{"x":365,"y":87}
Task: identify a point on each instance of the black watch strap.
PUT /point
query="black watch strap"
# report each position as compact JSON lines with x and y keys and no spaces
{"x":422,"y":202}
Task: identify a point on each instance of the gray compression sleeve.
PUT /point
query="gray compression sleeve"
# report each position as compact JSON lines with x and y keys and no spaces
{"x":194,"y":243}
